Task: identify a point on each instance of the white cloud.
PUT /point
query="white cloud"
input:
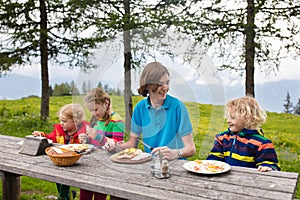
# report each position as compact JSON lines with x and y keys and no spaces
{"x":55,"y":72}
{"x":33,"y":71}
{"x":288,"y":70}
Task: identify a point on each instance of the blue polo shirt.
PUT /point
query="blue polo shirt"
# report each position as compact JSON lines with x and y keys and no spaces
{"x":164,"y":126}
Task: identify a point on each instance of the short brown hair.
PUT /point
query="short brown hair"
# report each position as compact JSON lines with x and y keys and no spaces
{"x":151,"y":76}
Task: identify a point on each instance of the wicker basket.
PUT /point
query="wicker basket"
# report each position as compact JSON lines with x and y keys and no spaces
{"x":63,"y":160}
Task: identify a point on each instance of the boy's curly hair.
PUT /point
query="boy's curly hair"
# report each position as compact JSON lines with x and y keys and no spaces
{"x":248,"y":110}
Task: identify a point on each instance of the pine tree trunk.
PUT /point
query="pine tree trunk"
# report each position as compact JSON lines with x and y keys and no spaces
{"x":44,"y":62}
{"x":127,"y":68}
{"x":127,"y":91}
{"x":250,"y":48}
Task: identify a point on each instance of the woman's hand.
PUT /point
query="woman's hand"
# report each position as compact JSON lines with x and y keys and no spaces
{"x":264,"y":168}
{"x":166,"y":152}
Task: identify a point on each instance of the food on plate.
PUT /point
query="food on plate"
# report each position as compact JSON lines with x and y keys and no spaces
{"x":129,"y":153}
{"x":75,"y":147}
{"x":198,"y":161}
{"x":141,"y":156}
{"x":207,"y":166}
{"x":131,"y":156}
{"x":60,"y":152}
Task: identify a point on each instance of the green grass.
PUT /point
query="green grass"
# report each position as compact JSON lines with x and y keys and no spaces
{"x":20,"y":117}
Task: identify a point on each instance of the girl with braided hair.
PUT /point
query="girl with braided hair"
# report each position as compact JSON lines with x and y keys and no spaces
{"x":106,"y":128}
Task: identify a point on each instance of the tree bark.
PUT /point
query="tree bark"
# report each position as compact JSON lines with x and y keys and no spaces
{"x":127,"y":67}
{"x":250,"y":48}
{"x":44,"y":62}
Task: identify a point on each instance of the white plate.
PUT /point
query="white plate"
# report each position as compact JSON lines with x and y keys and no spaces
{"x":207,"y":167}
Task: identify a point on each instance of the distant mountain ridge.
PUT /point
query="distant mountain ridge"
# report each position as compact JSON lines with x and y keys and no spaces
{"x":15,"y":86}
{"x":270,"y":95}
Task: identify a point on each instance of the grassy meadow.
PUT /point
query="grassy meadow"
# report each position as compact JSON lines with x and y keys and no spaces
{"x":20,"y":117}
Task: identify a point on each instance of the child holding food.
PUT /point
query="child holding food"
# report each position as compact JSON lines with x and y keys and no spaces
{"x":107,"y":128}
{"x":72,"y":123}
{"x":244,"y":144}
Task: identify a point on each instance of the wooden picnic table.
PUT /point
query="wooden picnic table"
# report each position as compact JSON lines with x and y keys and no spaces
{"x":97,"y":172}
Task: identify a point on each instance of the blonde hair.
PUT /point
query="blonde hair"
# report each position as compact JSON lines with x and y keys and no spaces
{"x":247,"y":110}
{"x":150,"y":77}
{"x":72,"y":111}
{"x":99,"y":96}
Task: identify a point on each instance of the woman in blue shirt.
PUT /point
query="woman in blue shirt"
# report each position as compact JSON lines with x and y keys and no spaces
{"x":160,"y":119}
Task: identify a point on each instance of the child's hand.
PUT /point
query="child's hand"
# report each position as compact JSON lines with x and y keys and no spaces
{"x":110,"y":145}
{"x":264,"y":168}
{"x":82,"y":138}
{"x":38,"y":133}
{"x":91,"y":133}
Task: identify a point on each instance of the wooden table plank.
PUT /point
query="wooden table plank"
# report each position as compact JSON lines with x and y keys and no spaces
{"x":134,"y":181}
{"x":191,"y":186}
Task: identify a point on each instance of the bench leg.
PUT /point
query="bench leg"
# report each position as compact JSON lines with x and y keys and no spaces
{"x":11,"y":186}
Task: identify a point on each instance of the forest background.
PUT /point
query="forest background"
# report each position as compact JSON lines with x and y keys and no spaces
{"x":243,"y":36}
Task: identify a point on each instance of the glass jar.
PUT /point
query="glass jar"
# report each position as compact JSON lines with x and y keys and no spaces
{"x":160,"y":166}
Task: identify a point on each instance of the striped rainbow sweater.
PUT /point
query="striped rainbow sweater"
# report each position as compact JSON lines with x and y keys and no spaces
{"x":114,"y":129}
{"x":249,"y":148}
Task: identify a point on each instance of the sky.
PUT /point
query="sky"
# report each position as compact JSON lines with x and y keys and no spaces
{"x":288,"y":70}
{"x":187,"y":83}
{"x":198,"y":81}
